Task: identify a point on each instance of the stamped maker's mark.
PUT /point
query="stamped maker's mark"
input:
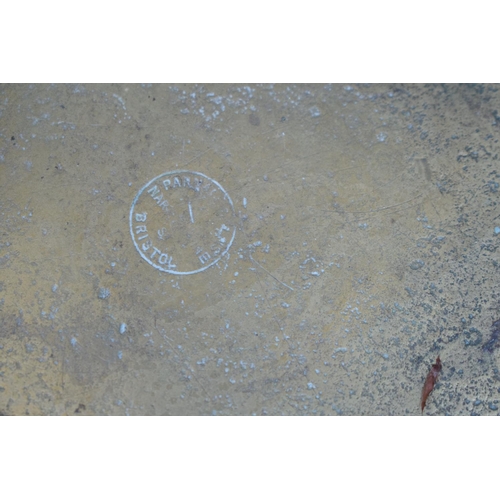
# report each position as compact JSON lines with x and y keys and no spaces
{"x":182,"y":222}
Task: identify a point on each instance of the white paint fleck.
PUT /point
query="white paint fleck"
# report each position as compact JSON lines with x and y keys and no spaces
{"x":104,"y":293}
{"x":123,"y":328}
{"x":120,"y":100}
{"x":315,"y":112}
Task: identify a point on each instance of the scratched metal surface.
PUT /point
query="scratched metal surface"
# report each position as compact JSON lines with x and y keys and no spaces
{"x":364,"y":244}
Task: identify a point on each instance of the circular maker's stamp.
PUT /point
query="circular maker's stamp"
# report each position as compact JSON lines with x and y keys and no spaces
{"x":182,"y":222}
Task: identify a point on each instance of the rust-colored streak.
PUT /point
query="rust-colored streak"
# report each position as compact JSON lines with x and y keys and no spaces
{"x":430,"y":381}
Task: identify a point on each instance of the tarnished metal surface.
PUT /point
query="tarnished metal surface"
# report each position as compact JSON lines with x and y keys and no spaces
{"x":312,"y":249}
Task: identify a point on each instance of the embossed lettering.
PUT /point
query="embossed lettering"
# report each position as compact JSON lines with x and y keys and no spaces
{"x":166,"y":259}
{"x":218,"y":231}
{"x":164,"y":214}
{"x":141,"y":229}
{"x":163,"y":258}
{"x":204,"y":257}
{"x":153,"y":191}
{"x":157,"y":195}
{"x":197,"y":183}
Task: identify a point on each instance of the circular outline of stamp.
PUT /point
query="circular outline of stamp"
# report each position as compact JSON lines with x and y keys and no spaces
{"x":201,"y":184}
